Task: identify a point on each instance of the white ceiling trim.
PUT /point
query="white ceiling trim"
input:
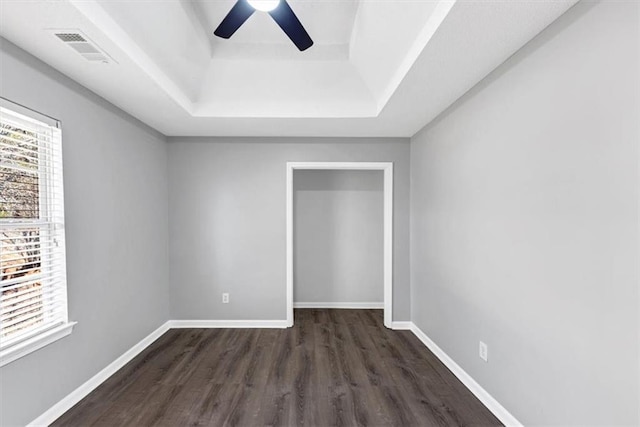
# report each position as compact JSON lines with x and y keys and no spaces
{"x":412,"y":60}
{"x":437,"y":17}
{"x":103,"y":21}
{"x":196,"y":15}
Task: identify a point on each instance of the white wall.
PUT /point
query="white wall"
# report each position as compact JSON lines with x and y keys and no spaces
{"x":227,"y":220}
{"x":338,"y":236}
{"x":524,"y":206}
{"x":115,"y":183}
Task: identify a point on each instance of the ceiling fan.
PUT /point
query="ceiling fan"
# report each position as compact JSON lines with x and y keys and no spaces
{"x":279,"y":10}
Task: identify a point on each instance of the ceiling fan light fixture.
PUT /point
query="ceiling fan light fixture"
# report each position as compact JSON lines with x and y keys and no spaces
{"x":264,"y":5}
{"x":279,"y":10}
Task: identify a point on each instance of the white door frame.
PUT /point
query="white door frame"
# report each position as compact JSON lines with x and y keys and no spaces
{"x":387,"y":168}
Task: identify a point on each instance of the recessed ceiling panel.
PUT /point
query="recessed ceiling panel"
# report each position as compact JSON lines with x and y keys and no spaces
{"x":380,"y":68}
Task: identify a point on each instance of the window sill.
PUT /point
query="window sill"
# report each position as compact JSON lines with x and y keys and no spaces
{"x":23,"y":348}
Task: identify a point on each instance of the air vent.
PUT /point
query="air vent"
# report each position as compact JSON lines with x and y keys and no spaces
{"x":71,"y":37}
{"x":81,"y":44}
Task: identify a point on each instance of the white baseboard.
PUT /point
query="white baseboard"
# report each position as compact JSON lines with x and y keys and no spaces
{"x":346,"y":305}
{"x":181,"y":324}
{"x":401,"y":326}
{"x":81,"y":392}
{"x":492,"y":404}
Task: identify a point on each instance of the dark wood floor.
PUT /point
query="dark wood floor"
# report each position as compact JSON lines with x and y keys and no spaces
{"x":333,"y":368}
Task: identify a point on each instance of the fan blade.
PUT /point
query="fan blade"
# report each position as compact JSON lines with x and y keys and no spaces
{"x":290,"y":24}
{"x":240,"y":12}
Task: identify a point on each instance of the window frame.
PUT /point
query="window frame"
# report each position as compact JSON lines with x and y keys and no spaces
{"x":39,"y":336}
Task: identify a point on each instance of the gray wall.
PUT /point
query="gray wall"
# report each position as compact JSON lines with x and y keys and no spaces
{"x":524,"y":206}
{"x":227,"y":220}
{"x":116,"y":228}
{"x":338,"y":236}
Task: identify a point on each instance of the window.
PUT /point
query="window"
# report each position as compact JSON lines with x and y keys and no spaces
{"x":33,"y":293}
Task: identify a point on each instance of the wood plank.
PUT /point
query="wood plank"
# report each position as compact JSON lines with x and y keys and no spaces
{"x":333,"y":368}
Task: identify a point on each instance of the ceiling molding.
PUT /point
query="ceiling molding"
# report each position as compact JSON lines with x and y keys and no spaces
{"x":103,"y":21}
{"x":383,"y":68}
{"x":439,"y":14}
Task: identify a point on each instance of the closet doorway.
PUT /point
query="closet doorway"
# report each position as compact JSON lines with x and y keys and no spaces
{"x":387,"y":261}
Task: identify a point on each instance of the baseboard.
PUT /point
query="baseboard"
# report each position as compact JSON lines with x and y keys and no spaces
{"x":346,"y":305}
{"x":401,"y":326}
{"x":81,"y":392}
{"x":492,"y":404}
{"x":181,"y":324}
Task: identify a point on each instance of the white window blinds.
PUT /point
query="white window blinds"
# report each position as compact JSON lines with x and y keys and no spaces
{"x":33,"y":298}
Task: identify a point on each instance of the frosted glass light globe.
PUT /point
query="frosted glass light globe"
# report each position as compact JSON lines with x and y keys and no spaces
{"x":264,"y":5}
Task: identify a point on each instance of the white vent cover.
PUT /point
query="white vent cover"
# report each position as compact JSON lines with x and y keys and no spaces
{"x":81,"y":44}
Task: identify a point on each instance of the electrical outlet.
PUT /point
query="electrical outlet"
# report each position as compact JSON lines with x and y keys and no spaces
{"x":484,"y":352}
{"x":225,"y":298}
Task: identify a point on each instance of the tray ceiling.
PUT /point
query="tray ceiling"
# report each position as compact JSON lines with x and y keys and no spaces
{"x":377,"y":68}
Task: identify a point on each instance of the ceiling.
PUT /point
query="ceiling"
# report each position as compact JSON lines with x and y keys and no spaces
{"x":377,"y":67}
